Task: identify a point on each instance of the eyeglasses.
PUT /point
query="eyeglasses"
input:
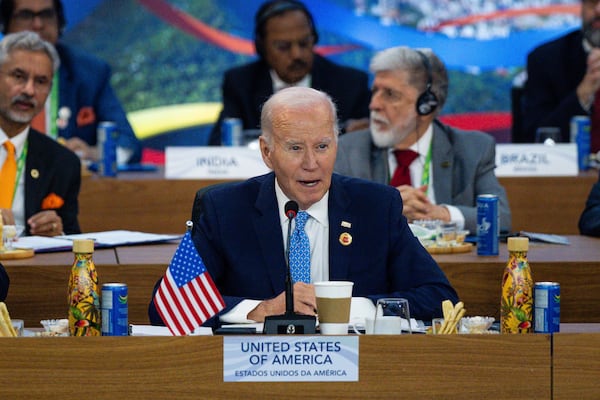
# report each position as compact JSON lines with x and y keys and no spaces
{"x":387,"y":95}
{"x":27,"y":16}
{"x":284,"y":46}
{"x":20,"y":78}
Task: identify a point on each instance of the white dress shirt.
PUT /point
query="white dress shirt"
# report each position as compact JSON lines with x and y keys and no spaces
{"x":278,"y":84}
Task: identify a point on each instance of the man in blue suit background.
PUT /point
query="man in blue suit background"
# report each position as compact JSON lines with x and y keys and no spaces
{"x":83,"y":96}
{"x":355,"y":227}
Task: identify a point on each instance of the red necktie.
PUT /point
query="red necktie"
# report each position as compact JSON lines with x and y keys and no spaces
{"x":402,"y":173}
{"x":595,"y":125}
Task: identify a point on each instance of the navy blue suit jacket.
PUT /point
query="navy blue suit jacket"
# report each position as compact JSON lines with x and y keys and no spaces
{"x":247,"y":87}
{"x":52,"y":168}
{"x":240,"y":240}
{"x":554,"y":70}
{"x":4,"y":282}
{"x":85,"y":82}
{"x":589,"y":222}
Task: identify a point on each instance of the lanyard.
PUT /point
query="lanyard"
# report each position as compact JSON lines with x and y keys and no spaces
{"x":20,"y":166}
{"x":426,"y":172}
{"x":53,"y":129}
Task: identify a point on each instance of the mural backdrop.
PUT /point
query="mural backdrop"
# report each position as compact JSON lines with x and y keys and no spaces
{"x":168,"y":56}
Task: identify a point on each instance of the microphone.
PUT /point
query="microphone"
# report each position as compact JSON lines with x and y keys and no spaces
{"x":289,"y":323}
{"x":291,"y":210}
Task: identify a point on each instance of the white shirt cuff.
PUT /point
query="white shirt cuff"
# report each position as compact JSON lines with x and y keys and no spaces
{"x":456,"y":216}
{"x":239,"y":313}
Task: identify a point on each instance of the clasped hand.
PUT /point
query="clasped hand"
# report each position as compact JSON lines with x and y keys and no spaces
{"x":305,"y":303}
{"x":416,"y":205}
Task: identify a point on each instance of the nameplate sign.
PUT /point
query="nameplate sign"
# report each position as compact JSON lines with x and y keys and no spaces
{"x":536,"y":160}
{"x":211,"y":162}
{"x":290,"y":358}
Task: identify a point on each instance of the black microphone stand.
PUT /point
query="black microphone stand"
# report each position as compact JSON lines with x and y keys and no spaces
{"x":289,"y":323}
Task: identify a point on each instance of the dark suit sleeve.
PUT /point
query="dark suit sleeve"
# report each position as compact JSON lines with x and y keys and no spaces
{"x":232,"y":103}
{"x":412,"y":272}
{"x":589,"y":222}
{"x":486,"y":182}
{"x":108,"y":108}
{"x":71,"y":179}
{"x":85,"y":82}
{"x":4,"y":283}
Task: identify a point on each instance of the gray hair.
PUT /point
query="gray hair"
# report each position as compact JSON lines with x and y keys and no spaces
{"x":406,"y":59}
{"x":293,"y":98}
{"x":29,"y":41}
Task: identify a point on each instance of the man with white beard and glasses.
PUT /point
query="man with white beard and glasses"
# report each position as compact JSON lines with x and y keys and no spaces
{"x":439,"y":170}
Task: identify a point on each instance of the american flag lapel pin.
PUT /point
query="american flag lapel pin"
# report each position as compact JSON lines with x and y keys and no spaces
{"x":345,"y":237}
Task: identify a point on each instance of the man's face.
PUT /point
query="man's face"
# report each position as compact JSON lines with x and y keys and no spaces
{"x":35,"y":15}
{"x":393,"y":109}
{"x":590,"y":20}
{"x":288,"y":45}
{"x":25,"y":80}
{"x":302,"y":152}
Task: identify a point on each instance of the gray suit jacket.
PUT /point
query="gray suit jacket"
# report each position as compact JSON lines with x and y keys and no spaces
{"x":463,"y":165}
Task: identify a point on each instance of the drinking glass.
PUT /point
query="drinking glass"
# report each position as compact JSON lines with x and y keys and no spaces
{"x":10,"y":233}
{"x":392,"y":317}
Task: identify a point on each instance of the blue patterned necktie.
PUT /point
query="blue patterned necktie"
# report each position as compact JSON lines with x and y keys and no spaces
{"x":300,"y":250}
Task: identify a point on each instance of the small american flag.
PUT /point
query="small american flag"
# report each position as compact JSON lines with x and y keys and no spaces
{"x":187,"y":295}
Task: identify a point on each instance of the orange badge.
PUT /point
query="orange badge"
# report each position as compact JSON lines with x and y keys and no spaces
{"x":345,"y":239}
{"x":52,"y":202}
{"x":86,"y":116}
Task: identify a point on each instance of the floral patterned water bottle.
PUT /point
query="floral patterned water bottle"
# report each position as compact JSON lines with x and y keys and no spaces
{"x":516,"y":308}
{"x":84,"y":301}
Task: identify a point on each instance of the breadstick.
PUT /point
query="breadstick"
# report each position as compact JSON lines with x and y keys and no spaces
{"x":452,"y":328}
{"x":447,"y":308}
{"x":5,"y":323}
{"x":452,"y":320}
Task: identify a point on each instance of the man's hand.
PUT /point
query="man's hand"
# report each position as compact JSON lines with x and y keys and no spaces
{"x":82,"y":149}
{"x":7,"y":216}
{"x":416,"y":205}
{"x":591,"y":80}
{"x":45,"y":223}
{"x":305,"y":303}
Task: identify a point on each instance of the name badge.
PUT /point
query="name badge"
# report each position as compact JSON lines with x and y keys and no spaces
{"x":211,"y":162}
{"x":290,"y":359}
{"x":536,"y":160}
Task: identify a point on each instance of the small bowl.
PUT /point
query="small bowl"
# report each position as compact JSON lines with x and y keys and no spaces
{"x":475,"y":324}
{"x":56,"y":327}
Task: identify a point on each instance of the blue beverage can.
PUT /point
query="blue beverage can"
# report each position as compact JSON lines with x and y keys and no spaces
{"x":114,"y":306}
{"x":488,"y":225}
{"x":107,"y":147}
{"x":580,"y":135}
{"x":231,"y":132}
{"x":546,"y":307}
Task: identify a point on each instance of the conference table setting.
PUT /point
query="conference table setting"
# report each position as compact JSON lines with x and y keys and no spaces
{"x":541,"y":365}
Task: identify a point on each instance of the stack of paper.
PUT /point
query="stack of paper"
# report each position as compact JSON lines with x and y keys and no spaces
{"x":102,"y":239}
